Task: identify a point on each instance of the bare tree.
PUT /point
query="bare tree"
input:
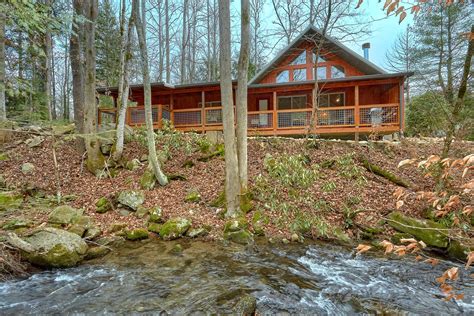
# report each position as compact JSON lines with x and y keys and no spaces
{"x":3,"y":109}
{"x":184,"y":41}
{"x":48,"y":42}
{"x":140,"y":25}
{"x":167,"y":41}
{"x":241,"y":100}
{"x":289,"y":19}
{"x":232,"y":187}
{"x":258,"y":38}
{"x":123,"y":88}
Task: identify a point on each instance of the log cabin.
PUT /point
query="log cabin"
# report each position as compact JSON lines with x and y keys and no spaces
{"x":353,"y":95}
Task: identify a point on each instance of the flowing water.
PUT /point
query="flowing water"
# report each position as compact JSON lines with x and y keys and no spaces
{"x":209,"y":278}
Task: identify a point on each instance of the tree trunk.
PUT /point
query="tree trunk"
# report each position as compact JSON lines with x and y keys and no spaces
{"x":3,"y":108}
{"x":123,"y":87}
{"x":48,"y":42}
{"x":95,"y":159}
{"x":183,"y":42}
{"x":152,"y":157}
{"x":66,"y":86}
{"x":167,"y":42}
{"x":53,"y":84}
{"x":232,"y":187}
{"x":77,"y":69}
{"x":242,"y":93}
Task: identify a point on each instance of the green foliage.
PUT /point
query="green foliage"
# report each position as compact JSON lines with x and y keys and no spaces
{"x":329,"y":186}
{"x":291,"y":171}
{"x":347,"y":168}
{"x":425,"y":115}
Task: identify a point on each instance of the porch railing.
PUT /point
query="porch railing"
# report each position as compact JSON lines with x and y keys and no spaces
{"x":201,"y":119}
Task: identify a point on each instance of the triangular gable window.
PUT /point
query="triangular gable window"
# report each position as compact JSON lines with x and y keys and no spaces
{"x":300,"y":60}
{"x":320,"y":58}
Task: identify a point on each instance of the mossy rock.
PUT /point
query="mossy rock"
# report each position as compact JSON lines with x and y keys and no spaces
{"x":16,"y":223}
{"x":246,"y":202}
{"x":27,"y":168}
{"x":243,"y":236}
{"x":458,"y":250}
{"x":136,"y":234}
{"x":370,"y":232}
{"x":147,"y":180}
{"x":154,"y":227}
{"x":258,"y":222}
{"x":10,"y":200}
{"x":64,"y":215}
{"x":235,"y":225}
{"x":96,"y":164}
{"x":96,"y":252}
{"x":131,"y":199}
{"x":246,"y":305}
{"x":80,"y":225}
{"x":177,"y":249}
{"x":197,"y":232}
{"x":340,"y":236}
{"x":156,"y":215}
{"x":174,"y":228}
{"x":116,"y":227}
{"x":422,"y":229}
{"x":93,"y":232}
{"x":193,"y":197}
{"x":103,"y":205}
{"x":141,"y":212}
{"x":132,"y":164}
{"x":395,"y":238}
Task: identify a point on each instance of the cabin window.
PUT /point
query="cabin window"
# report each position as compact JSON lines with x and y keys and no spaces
{"x":332,"y":99}
{"x":292,"y":102}
{"x":320,"y":58}
{"x":299,"y":74}
{"x":321,"y":73}
{"x":337,"y":72}
{"x":283,"y":76}
{"x":300,"y":60}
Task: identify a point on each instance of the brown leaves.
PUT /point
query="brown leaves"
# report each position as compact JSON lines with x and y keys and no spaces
{"x":470,"y":259}
{"x":361,"y":248}
{"x":412,"y":247}
{"x":406,"y":162}
{"x":451,"y":274}
{"x":432,"y":261}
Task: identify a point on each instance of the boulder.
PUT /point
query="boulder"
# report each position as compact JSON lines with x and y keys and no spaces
{"x":154,"y":228}
{"x":103,"y":205}
{"x":93,"y":232}
{"x":10,"y":200}
{"x":116,"y":227}
{"x":63,"y":129}
{"x":156,"y":215}
{"x":246,"y":305}
{"x":80,"y":225}
{"x":459,"y":250}
{"x":132,"y":199}
{"x":34,"y":142}
{"x":64,"y":214}
{"x":136,"y":234}
{"x":174,"y":228}
{"x":147,"y":180}
{"x":27,"y":168}
{"x":141,"y":211}
{"x":236,"y":231}
{"x":197,"y":232}
{"x":16,"y":223}
{"x":96,"y":252}
{"x":422,"y":229}
{"x":50,"y":247}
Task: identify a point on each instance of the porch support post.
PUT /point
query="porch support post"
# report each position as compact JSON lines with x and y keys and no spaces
{"x":401,"y":108}
{"x":160,"y":116}
{"x":171,"y":108}
{"x":356,"y":112}
{"x":274,"y":116}
{"x":203,"y":112}
{"x":313,"y":100}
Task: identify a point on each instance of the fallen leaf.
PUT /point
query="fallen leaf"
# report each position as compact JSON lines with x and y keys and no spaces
{"x":470,"y":259}
{"x":400,"y":204}
{"x":361,"y":248}
{"x":406,"y":162}
{"x":408,"y":240}
{"x":432,"y":261}
{"x":452,"y":273}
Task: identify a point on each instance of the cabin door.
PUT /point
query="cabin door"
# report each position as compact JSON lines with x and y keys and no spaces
{"x":263,"y":106}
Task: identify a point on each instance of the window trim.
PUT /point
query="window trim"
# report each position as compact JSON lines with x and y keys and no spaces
{"x":336,"y":66}
{"x":281,"y":71}
{"x":291,"y":104}
{"x":328,"y":94}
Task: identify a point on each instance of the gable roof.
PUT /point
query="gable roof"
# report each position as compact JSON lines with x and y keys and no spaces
{"x":331,"y":44}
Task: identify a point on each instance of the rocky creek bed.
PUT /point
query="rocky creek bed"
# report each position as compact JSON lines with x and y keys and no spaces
{"x":210,"y":277}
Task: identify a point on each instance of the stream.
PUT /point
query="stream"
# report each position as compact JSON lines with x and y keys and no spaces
{"x":209,"y":278}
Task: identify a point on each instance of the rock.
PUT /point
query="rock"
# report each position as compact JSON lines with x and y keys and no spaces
{"x":258,"y":222}
{"x":295,"y":237}
{"x":147,"y":180}
{"x":417,"y":227}
{"x":16,"y":223}
{"x":10,"y":200}
{"x":80,"y":225}
{"x":103,"y":205}
{"x":93,"y":232}
{"x":243,"y":237}
{"x":35,"y":141}
{"x":133,"y":164}
{"x":63,"y":129}
{"x":197,"y":232}
{"x":459,"y":250}
{"x":246,"y":305}
{"x":123,"y":212}
{"x":177,"y":249}
{"x":96,"y":252}
{"x":116,"y":227}
{"x":285,"y":241}
{"x":27,"y":168}
{"x":51,"y":248}
{"x":136,"y":234}
{"x":156,"y":215}
{"x":154,"y":228}
{"x":106,"y":147}
{"x":141,"y":212}
{"x":64,"y":214}
{"x":235,"y":225}
{"x":192,"y":197}
{"x":174,"y":228}
{"x":132,"y":199}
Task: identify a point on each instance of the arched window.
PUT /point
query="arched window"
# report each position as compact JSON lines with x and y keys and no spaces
{"x":283,"y":76}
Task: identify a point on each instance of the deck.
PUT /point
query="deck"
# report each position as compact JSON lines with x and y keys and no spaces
{"x":365,"y":119}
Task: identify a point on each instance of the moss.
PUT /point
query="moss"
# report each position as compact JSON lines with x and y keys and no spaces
{"x":141,"y":212}
{"x":395,"y":239}
{"x":4,"y":157}
{"x":218,"y":152}
{"x":174,"y":228}
{"x":58,"y":256}
{"x":10,"y":200}
{"x":154,"y":228}
{"x":136,"y":234}
{"x":383,"y":173}
{"x":425,"y":230}
{"x":246,"y":305}
{"x":220,"y":201}
{"x":116,"y":227}
{"x":458,"y":250}
{"x":258,"y":222}
{"x":197,"y":232}
{"x":235,"y":224}
{"x":103,"y":205}
{"x":96,"y":252}
{"x":242,"y":236}
{"x":246,"y":202}
{"x":16,"y":223}
{"x":192,"y":197}
{"x":64,"y":214}
{"x":155,"y":215}
{"x":177,"y":249}
{"x":147,"y":180}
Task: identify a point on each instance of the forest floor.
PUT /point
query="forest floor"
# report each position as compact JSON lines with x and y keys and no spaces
{"x":319,"y":188}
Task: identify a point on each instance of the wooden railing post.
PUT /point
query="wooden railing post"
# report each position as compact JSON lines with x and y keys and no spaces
{"x":203,"y":112}
{"x":274,"y":116}
{"x":160,"y":116}
{"x":356,"y":112}
{"x":128,"y":116}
